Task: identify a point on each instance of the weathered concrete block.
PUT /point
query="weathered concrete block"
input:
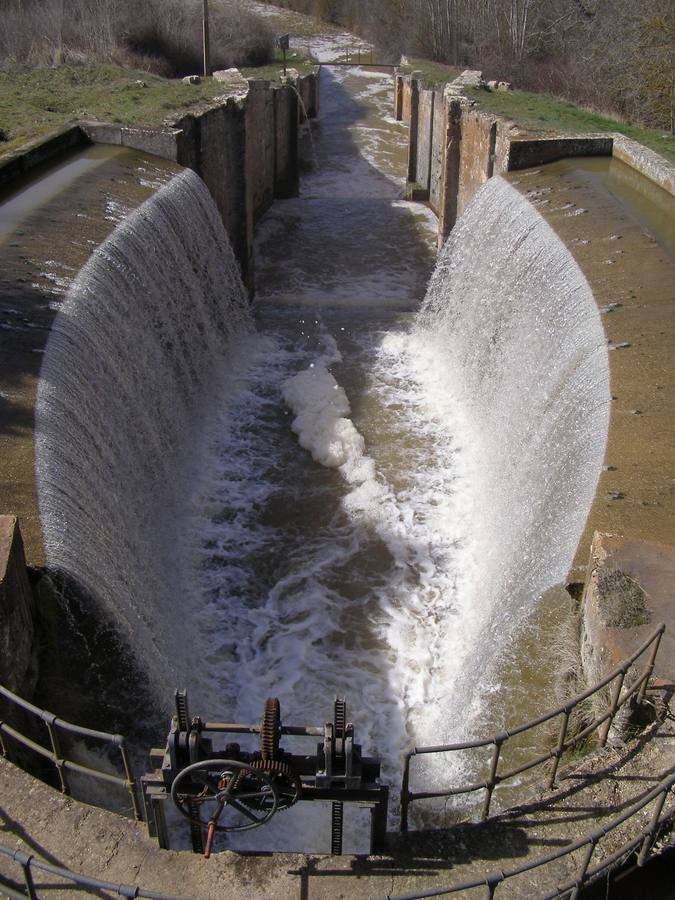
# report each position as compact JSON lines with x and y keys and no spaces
{"x":308,"y":87}
{"x":260,"y":148}
{"x":647,"y":162}
{"x":233,"y":81}
{"x":479,"y":135}
{"x":450,"y":136}
{"x":102,"y":132}
{"x":18,"y":655}
{"x":627,"y":594}
{"x":470,"y":78}
{"x":425,"y":126}
{"x":414,"y":130}
{"x":527,"y":153}
{"x":158,"y":141}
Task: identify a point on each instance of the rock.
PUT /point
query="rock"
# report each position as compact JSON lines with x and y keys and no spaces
{"x":290,"y":77}
{"x":470,"y":78}
{"x":191,"y":79}
{"x":232,"y":80}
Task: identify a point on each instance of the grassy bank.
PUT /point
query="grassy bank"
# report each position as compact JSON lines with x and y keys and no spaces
{"x":33,"y":101}
{"x":544,"y":113}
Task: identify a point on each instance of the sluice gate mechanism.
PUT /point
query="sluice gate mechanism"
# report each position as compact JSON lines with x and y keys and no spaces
{"x":230,"y":789}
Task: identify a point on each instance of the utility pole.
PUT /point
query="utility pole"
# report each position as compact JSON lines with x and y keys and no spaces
{"x":58,"y":56}
{"x":205,"y":23}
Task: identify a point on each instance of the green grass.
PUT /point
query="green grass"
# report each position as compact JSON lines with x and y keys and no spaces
{"x":544,"y":113}
{"x":433,"y":72}
{"x":33,"y":101}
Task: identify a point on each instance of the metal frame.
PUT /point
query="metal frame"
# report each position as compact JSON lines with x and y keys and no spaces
{"x":352,"y":790}
{"x":28,"y":862}
{"x":586,"y":873}
{"x":618,"y":698}
{"x":55,"y":755}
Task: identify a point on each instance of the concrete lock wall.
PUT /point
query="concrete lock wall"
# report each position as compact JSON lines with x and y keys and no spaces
{"x":286,"y":147}
{"x":469,"y":146}
{"x":244,"y":145}
{"x":454,"y":147}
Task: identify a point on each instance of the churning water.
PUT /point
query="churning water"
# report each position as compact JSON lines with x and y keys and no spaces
{"x":360,"y":500}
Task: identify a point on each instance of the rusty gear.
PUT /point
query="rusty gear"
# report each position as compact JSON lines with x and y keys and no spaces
{"x":270,"y":729}
{"x":286,"y":782}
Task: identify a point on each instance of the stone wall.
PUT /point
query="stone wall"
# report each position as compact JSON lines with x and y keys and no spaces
{"x":22,"y":163}
{"x":454,"y":147}
{"x":18,"y":653}
{"x":627,"y":595}
{"x":286,"y":171}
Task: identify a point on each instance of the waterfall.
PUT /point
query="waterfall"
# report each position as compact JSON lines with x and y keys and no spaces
{"x":510,"y":349}
{"x":136,"y":363}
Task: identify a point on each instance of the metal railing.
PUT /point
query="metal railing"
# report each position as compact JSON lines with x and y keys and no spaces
{"x":585,"y":872}
{"x":28,"y":862}
{"x":54,"y":752}
{"x":618,"y":697}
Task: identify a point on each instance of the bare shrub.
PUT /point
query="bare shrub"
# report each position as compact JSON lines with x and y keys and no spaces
{"x":163,"y":36}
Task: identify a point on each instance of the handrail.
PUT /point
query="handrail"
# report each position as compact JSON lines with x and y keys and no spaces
{"x":28,"y":862}
{"x":619,"y":697}
{"x":54,"y":753}
{"x":585,"y":873}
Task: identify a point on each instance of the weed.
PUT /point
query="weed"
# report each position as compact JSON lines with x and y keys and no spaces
{"x":622,"y":600}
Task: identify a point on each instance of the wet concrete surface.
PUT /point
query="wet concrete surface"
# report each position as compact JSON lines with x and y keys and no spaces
{"x":632,"y":275}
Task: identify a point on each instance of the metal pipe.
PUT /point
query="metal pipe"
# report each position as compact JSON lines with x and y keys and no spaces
{"x":581,"y":877}
{"x":492,"y":780}
{"x":654,"y":824}
{"x":405,"y":796}
{"x":560,"y":749}
{"x":28,"y":879}
{"x":57,"y":758}
{"x":237,"y":728}
{"x":650,"y":664}
{"x":614,"y":705}
{"x":131,"y":782}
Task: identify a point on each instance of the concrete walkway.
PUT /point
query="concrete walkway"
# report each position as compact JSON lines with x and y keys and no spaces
{"x":36,"y":819}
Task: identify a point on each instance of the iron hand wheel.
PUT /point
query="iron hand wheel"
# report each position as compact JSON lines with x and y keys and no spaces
{"x":242,"y":796}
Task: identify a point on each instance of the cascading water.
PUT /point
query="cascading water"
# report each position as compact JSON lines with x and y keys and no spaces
{"x":509,"y":346}
{"x":138,"y":356}
{"x":357,"y":502}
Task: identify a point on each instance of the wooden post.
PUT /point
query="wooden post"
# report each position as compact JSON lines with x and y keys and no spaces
{"x":205,"y":30}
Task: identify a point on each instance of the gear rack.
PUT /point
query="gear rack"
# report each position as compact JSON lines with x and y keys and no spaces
{"x":231,"y":790}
